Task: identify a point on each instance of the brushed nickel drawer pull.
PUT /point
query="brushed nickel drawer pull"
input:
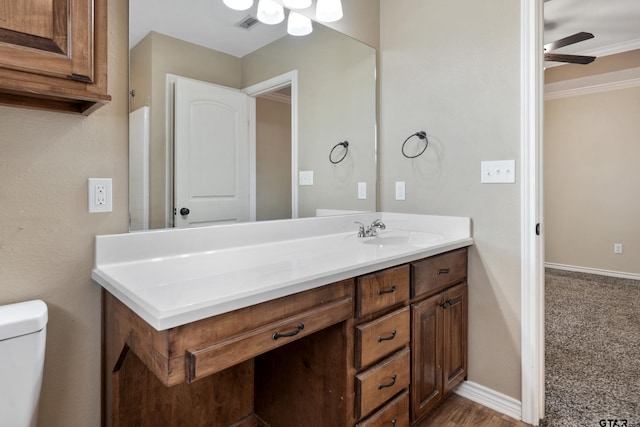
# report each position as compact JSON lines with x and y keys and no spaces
{"x":443,"y":271}
{"x":393,"y":422}
{"x":389,"y":384}
{"x":387,"y":291}
{"x":389,"y":338}
{"x":296,"y":331}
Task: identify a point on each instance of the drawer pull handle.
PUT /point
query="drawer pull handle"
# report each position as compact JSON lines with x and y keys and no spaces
{"x":389,"y":384}
{"x":447,"y":302}
{"x":393,"y":422}
{"x":296,"y":331}
{"x":443,"y":271}
{"x":389,"y":338}
{"x":387,"y":291}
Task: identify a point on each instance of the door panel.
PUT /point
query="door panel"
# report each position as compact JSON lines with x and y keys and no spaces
{"x":426,"y":365}
{"x":211,"y":154}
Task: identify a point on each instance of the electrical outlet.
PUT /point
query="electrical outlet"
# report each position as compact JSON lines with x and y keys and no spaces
{"x":100,"y":195}
{"x":617,"y":248}
{"x":306,"y":178}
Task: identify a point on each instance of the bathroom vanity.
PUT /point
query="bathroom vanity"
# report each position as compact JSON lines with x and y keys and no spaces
{"x":297,"y":322}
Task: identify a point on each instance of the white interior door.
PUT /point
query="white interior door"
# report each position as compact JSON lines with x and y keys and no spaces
{"x":211,"y":154}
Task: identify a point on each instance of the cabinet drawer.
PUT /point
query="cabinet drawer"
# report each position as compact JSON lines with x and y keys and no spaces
{"x":381,"y":337}
{"x":436,"y":273}
{"x":377,"y":291}
{"x":213,"y":358}
{"x":393,"y":414}
{"x":379,"y":383}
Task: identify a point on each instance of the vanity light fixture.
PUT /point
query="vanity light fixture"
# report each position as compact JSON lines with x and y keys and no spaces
{"x":298,"y":24}
{"x":329,"y":10}
{"x":239,"y":4}
{"x":297,"y":4}
{"x":270,"y":12}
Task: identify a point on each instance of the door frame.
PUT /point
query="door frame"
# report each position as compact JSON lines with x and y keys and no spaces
{"x":532,"y":245}
{"x":283,"y":80}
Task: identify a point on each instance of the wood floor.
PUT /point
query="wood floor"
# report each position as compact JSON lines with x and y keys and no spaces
{"x":457,"y":411}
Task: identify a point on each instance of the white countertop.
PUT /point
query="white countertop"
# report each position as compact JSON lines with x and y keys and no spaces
{"x":173,"y":277}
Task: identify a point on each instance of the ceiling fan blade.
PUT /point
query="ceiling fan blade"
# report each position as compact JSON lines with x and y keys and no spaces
{"x":575,"y":38}
{"x":573,"y":59}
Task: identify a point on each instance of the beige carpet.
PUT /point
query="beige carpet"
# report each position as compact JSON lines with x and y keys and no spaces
{"x":592,"y":350}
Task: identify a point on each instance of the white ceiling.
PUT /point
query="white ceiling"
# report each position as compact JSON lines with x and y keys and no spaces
{"x":207,"y":23}
{"x":614,"y":23}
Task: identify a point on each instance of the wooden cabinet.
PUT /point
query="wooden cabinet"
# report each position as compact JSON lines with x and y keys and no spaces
{"x":53,"y":55}
{"x":382,"y":335}
{"x":382,"y":349}
{"x":381,"y":290}
{"x":439,"y":330}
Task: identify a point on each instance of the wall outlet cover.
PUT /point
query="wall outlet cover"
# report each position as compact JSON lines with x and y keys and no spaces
{"x":100,"y":195}
{"x":306,"y":177}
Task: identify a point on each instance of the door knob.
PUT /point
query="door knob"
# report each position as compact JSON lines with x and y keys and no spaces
{"x":184,"y":211}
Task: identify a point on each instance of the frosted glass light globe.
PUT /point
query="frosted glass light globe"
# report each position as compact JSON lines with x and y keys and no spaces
{"x":298,"y":24}
{"x":329,"y":10}
{"x":239,"y":4}
{"x":297,"y":4}
{"x":270,"y":12}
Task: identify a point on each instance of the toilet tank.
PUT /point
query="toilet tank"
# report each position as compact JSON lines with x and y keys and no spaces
{"x":22,"y":344}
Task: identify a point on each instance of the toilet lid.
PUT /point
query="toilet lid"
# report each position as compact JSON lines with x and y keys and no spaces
{"x":22,"y":318}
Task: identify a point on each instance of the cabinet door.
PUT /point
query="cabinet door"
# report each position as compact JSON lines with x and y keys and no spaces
{"x":454,"y":349}
{"x":426,"y":364}
{"x":52,"y":38}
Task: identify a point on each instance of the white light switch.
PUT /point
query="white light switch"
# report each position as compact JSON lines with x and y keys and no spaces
{"x":362,"y":190}
{"x":306,"y":178}
{"x":498,"y":171}
{"x":400,"y":190}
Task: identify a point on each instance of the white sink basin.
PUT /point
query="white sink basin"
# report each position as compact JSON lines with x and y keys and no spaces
{"x":402,"y":238}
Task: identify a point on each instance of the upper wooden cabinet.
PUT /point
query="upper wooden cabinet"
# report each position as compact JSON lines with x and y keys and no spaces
{"x":53,"y":54}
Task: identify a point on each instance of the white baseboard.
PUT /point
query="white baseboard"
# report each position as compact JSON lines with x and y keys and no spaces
{"x":491,"y":399}
{"x":589,"y":270}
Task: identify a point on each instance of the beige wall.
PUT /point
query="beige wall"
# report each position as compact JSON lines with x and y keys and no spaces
{"x":47,"y":236}
{"x":336,"y":94}
{"x":451,"y":68}
{"x":273,"y":158}
{"x":591,"y":172}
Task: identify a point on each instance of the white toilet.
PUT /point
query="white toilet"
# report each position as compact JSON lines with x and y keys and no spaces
{"x":23,"y":330}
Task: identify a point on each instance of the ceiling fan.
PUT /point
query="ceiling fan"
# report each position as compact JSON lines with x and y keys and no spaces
{"x":573,"y":59}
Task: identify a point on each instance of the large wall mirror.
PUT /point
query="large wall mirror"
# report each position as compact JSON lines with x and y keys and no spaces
{"x":225,"y":119}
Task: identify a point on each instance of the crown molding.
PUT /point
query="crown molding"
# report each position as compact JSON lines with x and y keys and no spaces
{"x":593,"y":84}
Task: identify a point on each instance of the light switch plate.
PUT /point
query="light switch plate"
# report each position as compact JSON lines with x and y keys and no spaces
{"x":306,"y":178}
{"x":400,"y":193}
{"x":362,"y":190}
{"x":498,"y":172}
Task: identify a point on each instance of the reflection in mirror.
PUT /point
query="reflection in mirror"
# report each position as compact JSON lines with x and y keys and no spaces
{"x":193,"y":158}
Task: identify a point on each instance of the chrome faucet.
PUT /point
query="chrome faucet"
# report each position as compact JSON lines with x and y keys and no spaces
{"x":375,"y":226}
{"x":371,"y":230}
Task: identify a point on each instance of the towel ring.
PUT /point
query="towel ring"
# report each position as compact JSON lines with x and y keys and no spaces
{"x":345,"y":144}
{"x":422,"y":135}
